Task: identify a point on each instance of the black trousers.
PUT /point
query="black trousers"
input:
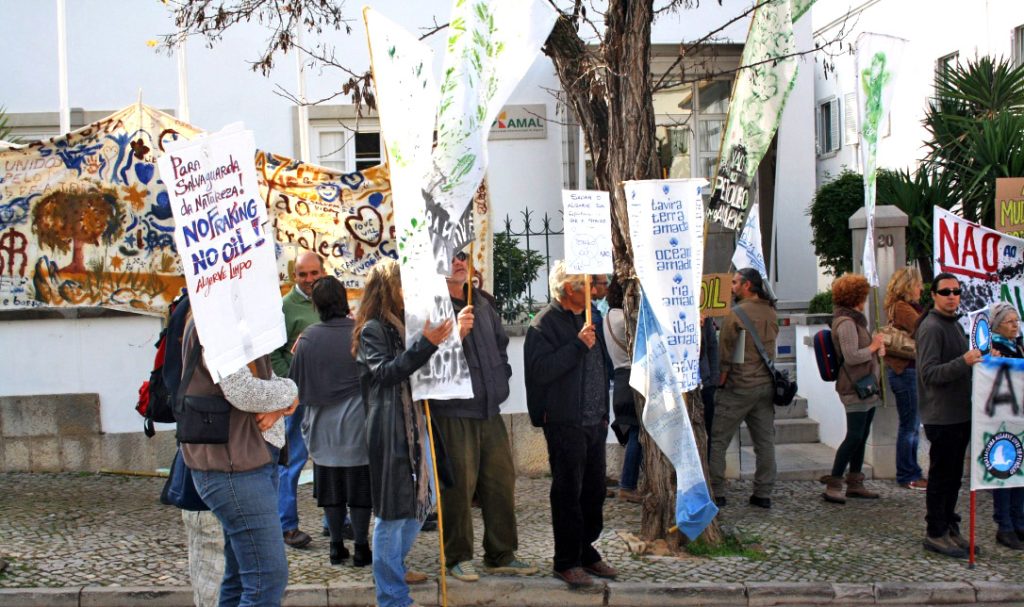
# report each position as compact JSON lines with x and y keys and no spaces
{"x":949,"y":446}
{"x":577,"y":458}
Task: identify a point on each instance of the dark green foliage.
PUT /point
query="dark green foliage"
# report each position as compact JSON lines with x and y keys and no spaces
{"x":514,"y":270}
{"x":977,"y":128}
{"x":916,"y":195}
{"x":5,"y":129}
{"x":820,"y":303}
{"x":830,"y":213}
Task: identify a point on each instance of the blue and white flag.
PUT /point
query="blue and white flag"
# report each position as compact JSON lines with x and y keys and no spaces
{"x":749,"y":251}
{"x":668,"y":422}
{"x":667,"y":235}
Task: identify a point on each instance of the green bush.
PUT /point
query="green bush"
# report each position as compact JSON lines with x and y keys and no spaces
{"x":514,"y":270}
{"x":820,"y":303}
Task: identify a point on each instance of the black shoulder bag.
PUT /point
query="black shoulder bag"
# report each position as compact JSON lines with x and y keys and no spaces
{"x":201,"y":420}
{"x":785,"y":388}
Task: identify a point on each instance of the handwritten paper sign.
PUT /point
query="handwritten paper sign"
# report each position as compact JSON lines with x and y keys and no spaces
{"x":588,"y":232}
{"x":716,"y":294}
{"x":226,"y":252}
{"x":1010,"y":206}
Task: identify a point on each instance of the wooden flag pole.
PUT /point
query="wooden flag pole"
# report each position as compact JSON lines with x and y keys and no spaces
{"x":469,"y":278}
{"x":586,"y":291}
{"x":970,"y":561}
{"x":440,"y":517}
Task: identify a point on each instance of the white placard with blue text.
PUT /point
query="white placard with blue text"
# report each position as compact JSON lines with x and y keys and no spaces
{"x":666,"y":224}
{"x":220,"y":229}
{"x":997,"y":424}
{"x":588,"y":231}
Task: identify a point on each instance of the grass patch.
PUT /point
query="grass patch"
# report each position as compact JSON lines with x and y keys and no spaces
{"x":731,"y":545}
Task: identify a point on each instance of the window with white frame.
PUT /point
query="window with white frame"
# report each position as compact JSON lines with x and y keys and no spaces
{"x":1018,"y":45}
{"x":342,"y":140}
{"x":828,"y":130}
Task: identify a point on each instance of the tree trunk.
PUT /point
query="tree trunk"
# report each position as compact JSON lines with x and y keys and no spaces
{"x":608,"y":87}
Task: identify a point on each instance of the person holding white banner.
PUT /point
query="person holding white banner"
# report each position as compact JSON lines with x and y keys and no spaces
{"x":1007,"y":503}
{"x":396,"y":429}
{"x":567,"y":394}
{"x":944,"y":361}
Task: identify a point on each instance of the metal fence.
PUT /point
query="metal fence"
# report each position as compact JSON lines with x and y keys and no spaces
{"x":522,"y":295}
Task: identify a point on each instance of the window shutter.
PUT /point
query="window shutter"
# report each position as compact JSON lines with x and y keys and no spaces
{"x":834,"y":125}
{"x":852,"y":129}
{"x":817,"y":129}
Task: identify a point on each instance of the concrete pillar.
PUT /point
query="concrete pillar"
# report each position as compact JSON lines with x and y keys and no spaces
{"x":890,"y":255}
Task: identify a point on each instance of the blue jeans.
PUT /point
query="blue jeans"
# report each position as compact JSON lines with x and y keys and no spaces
{"x":1008,"y":508}
{"x":287,"y":507}
{"x":392,"y":540}
{"x":631,"y":461}
{"x":255,"y":566}
{"x":904,"y":388}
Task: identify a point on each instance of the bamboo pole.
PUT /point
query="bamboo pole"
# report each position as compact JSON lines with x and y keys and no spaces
{"x":586,"y":291}
{"x":440,"y":516}
{"x":469,"y":277}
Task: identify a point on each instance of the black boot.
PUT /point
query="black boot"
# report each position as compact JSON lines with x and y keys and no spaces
{"x":363,"y":556}
{"x":338,"y":552}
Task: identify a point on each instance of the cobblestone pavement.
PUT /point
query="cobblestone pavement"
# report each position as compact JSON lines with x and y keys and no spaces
{"x":60,"y":530}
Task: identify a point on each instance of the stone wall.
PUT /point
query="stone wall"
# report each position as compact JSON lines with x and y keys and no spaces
{"x":61,"y":432}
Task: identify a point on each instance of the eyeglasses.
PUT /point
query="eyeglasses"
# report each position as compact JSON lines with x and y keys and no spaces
{"x":948,"y":292}
{"x":461,"y":256}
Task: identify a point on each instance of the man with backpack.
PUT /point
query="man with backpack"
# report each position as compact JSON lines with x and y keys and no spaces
{"x":746,"y":386}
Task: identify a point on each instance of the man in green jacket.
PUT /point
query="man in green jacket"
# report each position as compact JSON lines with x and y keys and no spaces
{"x":298,"y":314}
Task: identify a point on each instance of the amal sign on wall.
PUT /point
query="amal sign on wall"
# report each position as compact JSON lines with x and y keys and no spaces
{"x":520,"y":122}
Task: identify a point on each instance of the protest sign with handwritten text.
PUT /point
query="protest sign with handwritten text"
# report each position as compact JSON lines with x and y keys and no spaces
{"x":1010,"y":206}
{"x":226,"y":253}
{"x":588,"y":232}
{"x":716,"y":294}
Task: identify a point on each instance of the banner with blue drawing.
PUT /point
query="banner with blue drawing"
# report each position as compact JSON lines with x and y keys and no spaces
{"x":997,"y":423}
{"x":667,"y":231}
{"x":223,"y":236}
{"x":86,"y":221}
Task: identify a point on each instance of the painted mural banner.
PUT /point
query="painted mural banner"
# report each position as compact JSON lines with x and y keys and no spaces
{"x":878,"y":60}
{"x":227,"y":251}
{"x":755,"y":107}
{"x":491,"y":45}
{"x":989,"y":265}
{"x":997,"y":423}
{"x":406,"y":98}
{"x":749,"y":251}
{"x":668,"y":254}
{"x":588,"y":231}
{"x":716,"y":294}
{"x":1010,"y":206}
{"x":86,"y":221}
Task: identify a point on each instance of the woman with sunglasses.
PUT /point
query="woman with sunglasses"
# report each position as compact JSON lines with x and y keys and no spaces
{"x":1007,"y":504}
{"x":903,"y":308}
{"x":334,"y":426}
{"x":944,"y":361}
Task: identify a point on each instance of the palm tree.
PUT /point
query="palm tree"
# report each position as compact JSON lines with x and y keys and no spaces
{"x":977,"y":125}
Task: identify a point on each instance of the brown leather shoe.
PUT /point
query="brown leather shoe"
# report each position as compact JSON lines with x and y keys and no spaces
{"x":297,"y":539}
{"x":601,"y":569}
{"x":575,"y":577}
{"x":415,"y":577}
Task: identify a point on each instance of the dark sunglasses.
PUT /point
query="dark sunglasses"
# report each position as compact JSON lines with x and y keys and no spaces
{"x":948,"y":292}
{"x":461,"y":256}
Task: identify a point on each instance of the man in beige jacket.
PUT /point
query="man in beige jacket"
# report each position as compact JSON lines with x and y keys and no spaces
{"x":745,"y":387}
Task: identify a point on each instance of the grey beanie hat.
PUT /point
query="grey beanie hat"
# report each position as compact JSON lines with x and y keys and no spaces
{"x":998,"y":312}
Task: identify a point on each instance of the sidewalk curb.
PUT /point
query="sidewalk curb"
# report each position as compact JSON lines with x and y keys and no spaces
{"x":540,"y":592}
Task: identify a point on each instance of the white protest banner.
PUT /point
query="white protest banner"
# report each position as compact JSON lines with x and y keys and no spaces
{"x":758,"y":97}
{"x":997,"y":423}
{"x":406,"y":98}
{"x":491,"y":45}
{"x":989,"y":265}
{"x":667,"y":421}
{"x":666,"y":229}
{"x":226,"y":252}
{"x":878,"y":59}
{"x":588,"y":232}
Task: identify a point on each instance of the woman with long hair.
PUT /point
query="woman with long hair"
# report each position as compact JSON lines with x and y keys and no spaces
{"x":334,"y":426}
{"x":395,"y":425}
{"x":857,"y":385}
{"x":903,"y":307}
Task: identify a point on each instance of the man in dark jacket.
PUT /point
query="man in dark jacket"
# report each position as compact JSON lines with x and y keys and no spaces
{"x":477,"y":443}
{"x":944,"y":388}
{"x":567,"y":394}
